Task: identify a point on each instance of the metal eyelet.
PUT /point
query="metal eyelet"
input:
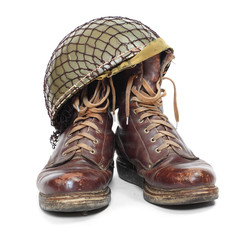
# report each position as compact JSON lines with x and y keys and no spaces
{"x":152,"y":140}
{"x":146,"y":131}
{"x":66,"y":144}
{"x":101,"y":122}
{"x":92,"y":151}
{"x":95,"y":141}
{"x":140,"y":121}
{"x":157,"y":150}
{"x":134,"y":111}
{"x":64,"y":154}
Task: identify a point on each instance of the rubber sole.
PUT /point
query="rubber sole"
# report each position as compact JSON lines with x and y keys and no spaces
{"x":75,"y":202}
{"x":128,"y":172}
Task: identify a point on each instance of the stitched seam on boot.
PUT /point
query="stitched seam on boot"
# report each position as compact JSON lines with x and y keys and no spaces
{"x":142,"y":143}
{"x":128,"y":159}
{"x":120,"y":141}
{"x":100,"y":162}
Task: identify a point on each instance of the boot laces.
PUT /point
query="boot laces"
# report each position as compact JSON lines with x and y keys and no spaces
{"x":149,"y":104}
{"x":89,"y":109}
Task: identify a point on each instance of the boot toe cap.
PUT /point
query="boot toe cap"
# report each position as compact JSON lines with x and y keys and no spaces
{"x":56,"y":182}
{"x":183,"y":175}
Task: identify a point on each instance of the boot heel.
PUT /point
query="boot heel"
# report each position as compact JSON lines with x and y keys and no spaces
{"x":128,"y":172}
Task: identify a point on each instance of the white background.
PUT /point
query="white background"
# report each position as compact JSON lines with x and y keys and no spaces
{"x":205,"y":37}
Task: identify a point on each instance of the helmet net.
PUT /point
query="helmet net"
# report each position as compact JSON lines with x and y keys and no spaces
{"x":86,"y":53}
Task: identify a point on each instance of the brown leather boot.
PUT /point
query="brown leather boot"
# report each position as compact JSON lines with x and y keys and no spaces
{"x":151,"y":154}
{"x":77,"y":176}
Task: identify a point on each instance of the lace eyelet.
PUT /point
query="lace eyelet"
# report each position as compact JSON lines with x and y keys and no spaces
{"x":95,"y":141}
{"x":66,"y":144}
{"x":134,"y":111}
{"x":157,"y":150}
{"x":146,"y":131}
{"x":92,"y":151}
{"x":152,"y":140}
{"x":140,"y":121}
{"x":101,"y":122}
{"x":64,"y":154}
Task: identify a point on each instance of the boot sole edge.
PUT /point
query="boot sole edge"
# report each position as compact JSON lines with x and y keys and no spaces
{"x":76,"y":201}
{"x":158,"y":196}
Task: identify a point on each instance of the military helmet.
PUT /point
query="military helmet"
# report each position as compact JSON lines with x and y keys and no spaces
{"x":93,"y":51}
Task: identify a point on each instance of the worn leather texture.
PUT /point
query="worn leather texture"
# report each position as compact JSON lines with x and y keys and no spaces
{"x":172,"y":167}
{"x":80,"y":171}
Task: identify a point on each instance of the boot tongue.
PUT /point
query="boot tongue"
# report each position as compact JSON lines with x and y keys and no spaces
{"x":151,"y":71}
{"x":155,"y":67}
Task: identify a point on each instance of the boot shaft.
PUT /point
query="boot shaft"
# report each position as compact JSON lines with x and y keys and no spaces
{"x":141,"y":117}
{"x":90,"y":134}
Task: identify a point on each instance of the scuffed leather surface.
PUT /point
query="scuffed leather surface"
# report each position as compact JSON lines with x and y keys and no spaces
{"x":172,"y":167}
{"x":80,"y":171}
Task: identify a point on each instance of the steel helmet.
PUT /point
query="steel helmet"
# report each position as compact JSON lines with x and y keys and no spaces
{"x":93,"y":51}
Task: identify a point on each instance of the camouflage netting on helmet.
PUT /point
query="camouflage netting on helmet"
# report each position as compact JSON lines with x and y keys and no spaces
{"x":86,"y":53}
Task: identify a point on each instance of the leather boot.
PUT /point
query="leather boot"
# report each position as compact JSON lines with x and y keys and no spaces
{"x":151,"y":154}
{"x":77,"y":176}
